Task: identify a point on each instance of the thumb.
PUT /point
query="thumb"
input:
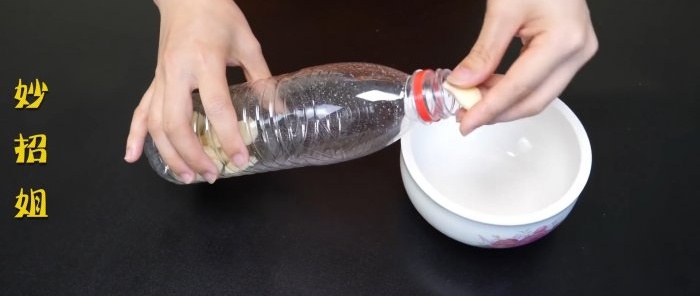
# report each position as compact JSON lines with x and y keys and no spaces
{"x":484,"y":57}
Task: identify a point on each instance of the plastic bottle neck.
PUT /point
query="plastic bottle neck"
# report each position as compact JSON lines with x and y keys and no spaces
{"x":425,"y":98}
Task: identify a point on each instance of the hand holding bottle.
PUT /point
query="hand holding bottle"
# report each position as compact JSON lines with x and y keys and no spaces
{"x":198,"y":40}
{"x":558,"y":39}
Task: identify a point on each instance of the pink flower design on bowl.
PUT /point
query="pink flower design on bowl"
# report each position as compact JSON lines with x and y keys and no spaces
{"x":518,"y":240}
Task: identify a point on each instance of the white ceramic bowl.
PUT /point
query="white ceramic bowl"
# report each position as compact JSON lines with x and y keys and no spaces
{"x":504,"y":185}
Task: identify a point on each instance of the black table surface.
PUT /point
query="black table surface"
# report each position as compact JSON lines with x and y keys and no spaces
{"x":349,"y":228}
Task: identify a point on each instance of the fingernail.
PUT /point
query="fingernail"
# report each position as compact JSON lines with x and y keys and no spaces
{"x":460,"y":75}
{"x":128,"y":155}
{"x":240,"y":160}
{"x":459,"y":115}
{"x":210,"y":177}
{"x":186,"y":178}
{"x":466,"y":131}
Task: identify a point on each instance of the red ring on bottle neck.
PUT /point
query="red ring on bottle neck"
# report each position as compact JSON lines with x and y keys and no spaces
{"x":418,"y":97}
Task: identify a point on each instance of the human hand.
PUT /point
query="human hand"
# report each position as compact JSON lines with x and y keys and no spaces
{"x":558,"y":39}
{"x":198,"y":40}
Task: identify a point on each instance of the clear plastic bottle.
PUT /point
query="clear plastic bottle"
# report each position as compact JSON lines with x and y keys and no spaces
{"x":320,"y":115}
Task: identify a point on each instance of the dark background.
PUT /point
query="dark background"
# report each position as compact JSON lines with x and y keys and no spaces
{"x":344,"y":229}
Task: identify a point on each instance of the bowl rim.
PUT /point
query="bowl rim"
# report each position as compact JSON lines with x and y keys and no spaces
{"x":549,"y":211}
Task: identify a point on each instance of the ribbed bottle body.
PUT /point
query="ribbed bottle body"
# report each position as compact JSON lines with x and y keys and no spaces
{"x":316,"y":116}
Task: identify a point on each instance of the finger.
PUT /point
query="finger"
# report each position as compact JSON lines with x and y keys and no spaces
{"x":460,"y":114}
{"x":139,"y":128}
{"x":540,"y":98}
{"x":247,"y":53}
{"x":556,"y":81}
{"x":490,"y":82}
{"x":253,"y":63}
{"x":155,"y":127}
{"x":177,"y":123}
{"x":496,"y":34}
{"x":216,"y":100}
{"x":524,"y":76}
{"x":483,"y":89}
